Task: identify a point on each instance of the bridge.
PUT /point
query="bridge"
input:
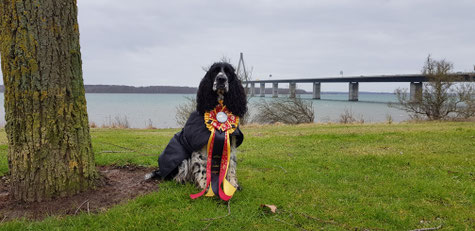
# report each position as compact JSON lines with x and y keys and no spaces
{"x":415,"y":81}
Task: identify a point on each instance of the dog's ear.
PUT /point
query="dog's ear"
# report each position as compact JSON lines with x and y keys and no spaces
{"x":235,"y":99}
{"x":206,"y":98}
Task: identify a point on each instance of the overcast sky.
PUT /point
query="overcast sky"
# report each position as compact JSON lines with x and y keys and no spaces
{"x":154,"y":42}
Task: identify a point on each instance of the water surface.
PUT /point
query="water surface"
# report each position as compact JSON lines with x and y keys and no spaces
{"x":141,"y":110}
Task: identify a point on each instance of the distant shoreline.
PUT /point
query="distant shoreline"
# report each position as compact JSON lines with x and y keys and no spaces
{"x":123,"y":89}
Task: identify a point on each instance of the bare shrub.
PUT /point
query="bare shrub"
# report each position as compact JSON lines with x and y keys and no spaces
{"x":466,"y":94}
{"x":184,"y":110}
{"x":361,"y":120}
{"x":347,"y":117}
{"x":389,"y":119}
{"x":149,"y":124}
{"x":121,"y":122}
{"x":245,"y":119}
{"x":117,"y":122}
{"x":286,"y":110}
{"x":441,"y":98}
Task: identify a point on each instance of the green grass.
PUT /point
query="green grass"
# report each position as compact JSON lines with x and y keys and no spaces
{"x":377,"y":176}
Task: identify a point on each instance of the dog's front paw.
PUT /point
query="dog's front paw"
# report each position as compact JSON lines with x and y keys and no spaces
{"x":151,"y":175}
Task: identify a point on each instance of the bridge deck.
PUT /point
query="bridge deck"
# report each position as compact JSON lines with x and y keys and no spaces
{"x":459,"y":77}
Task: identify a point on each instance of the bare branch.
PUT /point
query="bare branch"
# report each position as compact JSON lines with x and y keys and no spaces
{"x":287,"y":110}
{"x":183,"y":111}
{"x":441,"y":97}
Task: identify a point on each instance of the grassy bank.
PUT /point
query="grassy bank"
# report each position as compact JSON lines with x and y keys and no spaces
{"x":335,"y":177}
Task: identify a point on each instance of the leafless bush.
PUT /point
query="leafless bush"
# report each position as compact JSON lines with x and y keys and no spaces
{"x":389,"y":119}
{"x":184,"y":110}
{"x":245,"y":119}
{"x":441,"y":98}
{"x":348,"y":117}
{"x":285,"y":110}
{"x":361,"y":120}
{"x":92,"y":124}
{"x":466,"y":94}
{"x":117,"y":122}
{"x":149,"y":124}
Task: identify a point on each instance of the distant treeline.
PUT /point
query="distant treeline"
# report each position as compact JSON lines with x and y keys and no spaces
{"x":156,"y":89}
{"x":132,"y":89}
{"x":144,"y":90}
{"x":177,"y":90}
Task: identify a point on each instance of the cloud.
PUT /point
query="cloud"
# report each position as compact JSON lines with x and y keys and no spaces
{"x":151,"y":42}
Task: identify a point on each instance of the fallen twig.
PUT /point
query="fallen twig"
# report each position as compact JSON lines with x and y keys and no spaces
{"x":4,"y":217}
{"x":427,"y":229}
{"x":285,"y":171}
{"x":80,"y":206}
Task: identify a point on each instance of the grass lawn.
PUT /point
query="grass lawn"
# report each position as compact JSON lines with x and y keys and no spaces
{"x":332,"y":177}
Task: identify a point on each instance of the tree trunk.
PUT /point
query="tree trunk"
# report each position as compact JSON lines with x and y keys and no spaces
{"x":49,"y":146}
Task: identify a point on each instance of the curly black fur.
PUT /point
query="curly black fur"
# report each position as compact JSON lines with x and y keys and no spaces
{"x":235,"y":99}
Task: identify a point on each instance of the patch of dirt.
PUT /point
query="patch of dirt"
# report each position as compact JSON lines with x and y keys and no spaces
{"x":118,"y":184}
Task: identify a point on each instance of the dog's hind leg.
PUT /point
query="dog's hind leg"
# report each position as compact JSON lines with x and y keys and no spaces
{"x":184,"y":172}
{"x":231,"y":175}
{"x":198,"y":160}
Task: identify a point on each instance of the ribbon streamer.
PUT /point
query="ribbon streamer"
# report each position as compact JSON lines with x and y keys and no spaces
{"x":219,"y":155}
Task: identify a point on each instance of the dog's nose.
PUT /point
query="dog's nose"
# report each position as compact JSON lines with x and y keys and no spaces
{"x":221,"y":77}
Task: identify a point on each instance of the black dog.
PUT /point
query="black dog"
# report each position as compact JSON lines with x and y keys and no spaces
{"x":185,"y":157}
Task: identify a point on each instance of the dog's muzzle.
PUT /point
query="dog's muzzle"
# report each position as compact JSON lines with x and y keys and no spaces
{"x":221,"y":82}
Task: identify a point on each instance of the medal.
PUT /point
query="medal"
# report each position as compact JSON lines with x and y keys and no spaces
{"x":222,"y":117}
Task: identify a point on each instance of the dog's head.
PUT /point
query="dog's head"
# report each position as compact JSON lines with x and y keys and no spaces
{"x":222,"y":82}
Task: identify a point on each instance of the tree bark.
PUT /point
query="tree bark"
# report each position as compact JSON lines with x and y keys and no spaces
{"x":49,"y":146}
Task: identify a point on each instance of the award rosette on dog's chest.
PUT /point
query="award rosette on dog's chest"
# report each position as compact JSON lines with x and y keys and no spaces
{"x":221,"y":122}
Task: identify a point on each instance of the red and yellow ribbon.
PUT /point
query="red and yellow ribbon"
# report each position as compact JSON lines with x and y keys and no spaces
{"x":224,"y":189}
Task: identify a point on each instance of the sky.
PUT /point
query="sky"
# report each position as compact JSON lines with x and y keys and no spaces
{"x":155,"y":42}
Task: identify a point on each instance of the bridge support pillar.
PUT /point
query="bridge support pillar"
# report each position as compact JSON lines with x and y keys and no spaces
{"x":252,"y":89}
{"x":292,"y":88}
{"x":263,"y":90}
{"x":416,"y":91}
{"x":353,"y":94}
{"x":275,"y":90}
{"x":316,"y":90}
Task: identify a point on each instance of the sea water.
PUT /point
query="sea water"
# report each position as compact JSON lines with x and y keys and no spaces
{"x":159,"y":110}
